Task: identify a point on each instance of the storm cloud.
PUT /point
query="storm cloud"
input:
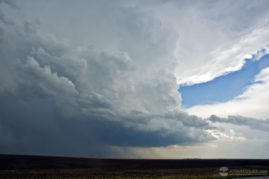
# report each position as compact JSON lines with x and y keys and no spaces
{"x":61,"y":99}
{"x":101,"y":78}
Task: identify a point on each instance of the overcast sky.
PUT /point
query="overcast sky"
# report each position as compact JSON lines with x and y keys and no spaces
{"x":135,"y":79}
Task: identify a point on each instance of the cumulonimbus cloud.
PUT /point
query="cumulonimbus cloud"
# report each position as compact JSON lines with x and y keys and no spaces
{"x":56,"y":99}
{"x":60,"y":97}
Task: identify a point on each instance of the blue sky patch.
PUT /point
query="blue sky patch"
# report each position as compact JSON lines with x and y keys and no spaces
{"x":223,"y":88}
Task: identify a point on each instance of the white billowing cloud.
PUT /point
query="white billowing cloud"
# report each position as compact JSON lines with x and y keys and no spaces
{"x":223,"y":60}
{"x":201,"y":40}
{"x":252,"y":103}
{"x":214,"y":38}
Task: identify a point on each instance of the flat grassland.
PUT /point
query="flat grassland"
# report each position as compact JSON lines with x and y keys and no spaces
{"x":22,"y":166}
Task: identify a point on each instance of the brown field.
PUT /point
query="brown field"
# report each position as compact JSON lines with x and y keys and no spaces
{"x":20,"y":166}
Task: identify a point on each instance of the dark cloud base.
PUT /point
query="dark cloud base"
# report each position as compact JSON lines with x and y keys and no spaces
{"x":35,"y":126}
